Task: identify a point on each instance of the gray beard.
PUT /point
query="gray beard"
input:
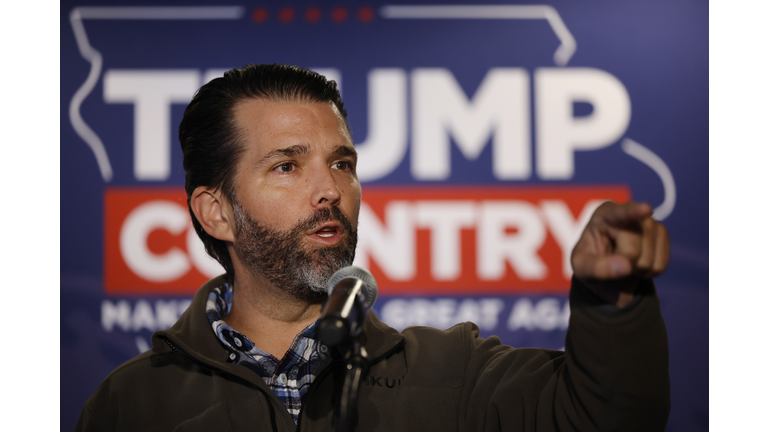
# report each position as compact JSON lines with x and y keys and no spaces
{"x":282,"y":259}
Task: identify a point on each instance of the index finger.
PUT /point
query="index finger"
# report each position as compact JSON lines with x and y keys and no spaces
{"x":621,"y":214}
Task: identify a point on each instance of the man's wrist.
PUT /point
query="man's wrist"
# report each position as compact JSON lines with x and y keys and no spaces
{"x":611,"y":301}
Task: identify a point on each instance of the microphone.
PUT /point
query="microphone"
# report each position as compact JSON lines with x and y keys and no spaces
{"x":351,"y":293}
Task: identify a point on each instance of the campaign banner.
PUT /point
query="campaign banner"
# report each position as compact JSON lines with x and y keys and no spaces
{"x":413,"y":240}
{"x":487,"y":134}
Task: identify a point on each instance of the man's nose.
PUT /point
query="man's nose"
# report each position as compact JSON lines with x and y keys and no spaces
{"x":325,"y":191}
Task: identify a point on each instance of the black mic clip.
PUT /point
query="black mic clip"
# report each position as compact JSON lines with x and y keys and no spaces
{"x":356,"y":368}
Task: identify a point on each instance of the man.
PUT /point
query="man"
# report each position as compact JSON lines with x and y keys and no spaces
{"x":273,"y":194}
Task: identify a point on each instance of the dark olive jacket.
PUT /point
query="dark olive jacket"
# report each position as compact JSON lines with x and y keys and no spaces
{"x":613,"y":376}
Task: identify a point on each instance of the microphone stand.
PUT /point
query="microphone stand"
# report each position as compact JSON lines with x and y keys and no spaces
{"x":356,"y":367}
{"x":351,"y":292}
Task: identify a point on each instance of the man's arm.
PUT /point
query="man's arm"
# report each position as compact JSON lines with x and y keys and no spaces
{"x":614,"y":374}
{"x":617,"y":349}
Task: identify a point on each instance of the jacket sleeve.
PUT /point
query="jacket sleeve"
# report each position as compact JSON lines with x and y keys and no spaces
{"x":614,"y":375}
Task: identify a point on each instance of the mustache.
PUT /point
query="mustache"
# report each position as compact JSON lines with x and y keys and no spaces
{"x":322,"y":215}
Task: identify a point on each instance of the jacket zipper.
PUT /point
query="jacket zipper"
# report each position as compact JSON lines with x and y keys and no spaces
{"x":317,"y":379}
{"x":326,"y":371}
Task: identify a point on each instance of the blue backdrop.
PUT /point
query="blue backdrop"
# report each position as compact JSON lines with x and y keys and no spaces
{"x":538,"y":109}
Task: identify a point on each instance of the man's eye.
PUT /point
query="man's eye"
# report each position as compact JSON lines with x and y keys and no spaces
{"x":342,"y":165}
{"x":286,"y":167}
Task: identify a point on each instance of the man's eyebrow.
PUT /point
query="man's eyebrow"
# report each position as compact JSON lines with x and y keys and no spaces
{"x":295,"y":150}
{"x":345,"y":151}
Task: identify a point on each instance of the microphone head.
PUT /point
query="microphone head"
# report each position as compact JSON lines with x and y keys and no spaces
{"x":361,"y":274}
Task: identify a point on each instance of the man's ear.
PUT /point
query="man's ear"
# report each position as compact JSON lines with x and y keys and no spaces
{"x":213,"y":212}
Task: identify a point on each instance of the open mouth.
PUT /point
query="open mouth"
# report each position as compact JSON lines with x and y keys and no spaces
{"x":327,"y":232}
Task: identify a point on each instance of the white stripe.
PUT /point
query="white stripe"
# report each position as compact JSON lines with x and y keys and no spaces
{"x":464,"y":12}
{"x":649,"y":158}
{"x":94,"y":57}
{"x":562,"y":55}
{"x":163,"y":13}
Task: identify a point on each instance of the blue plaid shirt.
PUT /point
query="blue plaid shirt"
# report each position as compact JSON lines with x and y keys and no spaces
{"x":288,"y":378}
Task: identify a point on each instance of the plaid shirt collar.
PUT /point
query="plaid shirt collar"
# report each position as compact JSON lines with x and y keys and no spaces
{"x":290,"y":377}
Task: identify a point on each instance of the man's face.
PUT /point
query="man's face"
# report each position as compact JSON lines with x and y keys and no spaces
{"x":297,"y":193}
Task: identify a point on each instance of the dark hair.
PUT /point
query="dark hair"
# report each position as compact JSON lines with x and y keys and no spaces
{"x":210,"y":140}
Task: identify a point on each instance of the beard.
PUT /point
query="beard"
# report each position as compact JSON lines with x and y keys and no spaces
{"x":300,"y":270}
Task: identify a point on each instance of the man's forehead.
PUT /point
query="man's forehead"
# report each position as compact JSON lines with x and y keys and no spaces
{"x":249,"y":112}
{"x":270,"y":120}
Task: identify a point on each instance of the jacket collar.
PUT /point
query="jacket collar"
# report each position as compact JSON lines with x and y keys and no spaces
{"x":380,"y":340}
{"x":193,"y":334}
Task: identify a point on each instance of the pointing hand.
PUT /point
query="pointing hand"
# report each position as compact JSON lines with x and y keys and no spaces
{"x":620,"y":245}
